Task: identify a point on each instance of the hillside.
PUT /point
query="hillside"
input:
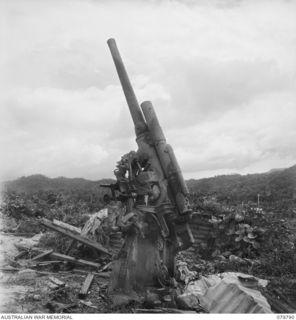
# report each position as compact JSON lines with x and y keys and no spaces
{"x":38,"y":182}
{"x":72,"y":190}
{"x":272,"y":186}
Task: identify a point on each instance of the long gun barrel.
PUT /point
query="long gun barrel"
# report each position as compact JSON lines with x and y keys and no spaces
{"x":136,"y":113}
{"x":145,"y":120}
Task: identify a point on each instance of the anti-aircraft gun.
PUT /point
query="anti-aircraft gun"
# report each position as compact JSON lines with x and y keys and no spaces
{"x":151,"y":179}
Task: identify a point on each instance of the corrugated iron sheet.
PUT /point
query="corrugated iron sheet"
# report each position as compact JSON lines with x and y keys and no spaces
{"x":229,"y":297}
{"x":201,"y":229}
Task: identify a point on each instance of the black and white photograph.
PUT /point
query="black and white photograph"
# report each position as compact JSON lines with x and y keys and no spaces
{"x":148,"y":158}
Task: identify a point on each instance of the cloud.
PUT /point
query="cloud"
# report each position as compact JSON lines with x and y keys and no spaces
{"x":241,"y":138}
{"x":205,"y":88}
{"x":220,"y":74}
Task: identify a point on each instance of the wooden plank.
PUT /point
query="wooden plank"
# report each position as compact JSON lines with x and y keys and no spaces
{"x":46,"y":263}
{"x":36,"y":264}
{"x":106,"y":266}
{"x":60,"y":256}
{"x":19,"y":255}
{"x":99,"y":274}
{"x":42,"y":255}
{"x":10,"y":269}
{"x":56,"y":281}
{"x":82,"y":262}
{"x":70,"y":234}
{"x":86,"y":285}
{"x":66,"y":226}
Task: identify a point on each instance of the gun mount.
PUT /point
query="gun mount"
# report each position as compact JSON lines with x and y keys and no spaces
{"x":152,"y":183}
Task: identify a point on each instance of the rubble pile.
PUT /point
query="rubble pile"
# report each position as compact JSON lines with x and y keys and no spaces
{"x":65,"y":282}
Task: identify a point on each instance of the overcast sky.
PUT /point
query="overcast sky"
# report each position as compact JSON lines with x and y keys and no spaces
{"x":221,"y":76}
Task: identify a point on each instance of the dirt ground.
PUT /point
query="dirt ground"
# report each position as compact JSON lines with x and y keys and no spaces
{"x":31,"y":291}
{"x":10,"y":293}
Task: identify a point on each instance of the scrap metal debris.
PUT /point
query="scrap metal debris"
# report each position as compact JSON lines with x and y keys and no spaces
{"x":228,"y":292}
{"x":86,"y":286}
